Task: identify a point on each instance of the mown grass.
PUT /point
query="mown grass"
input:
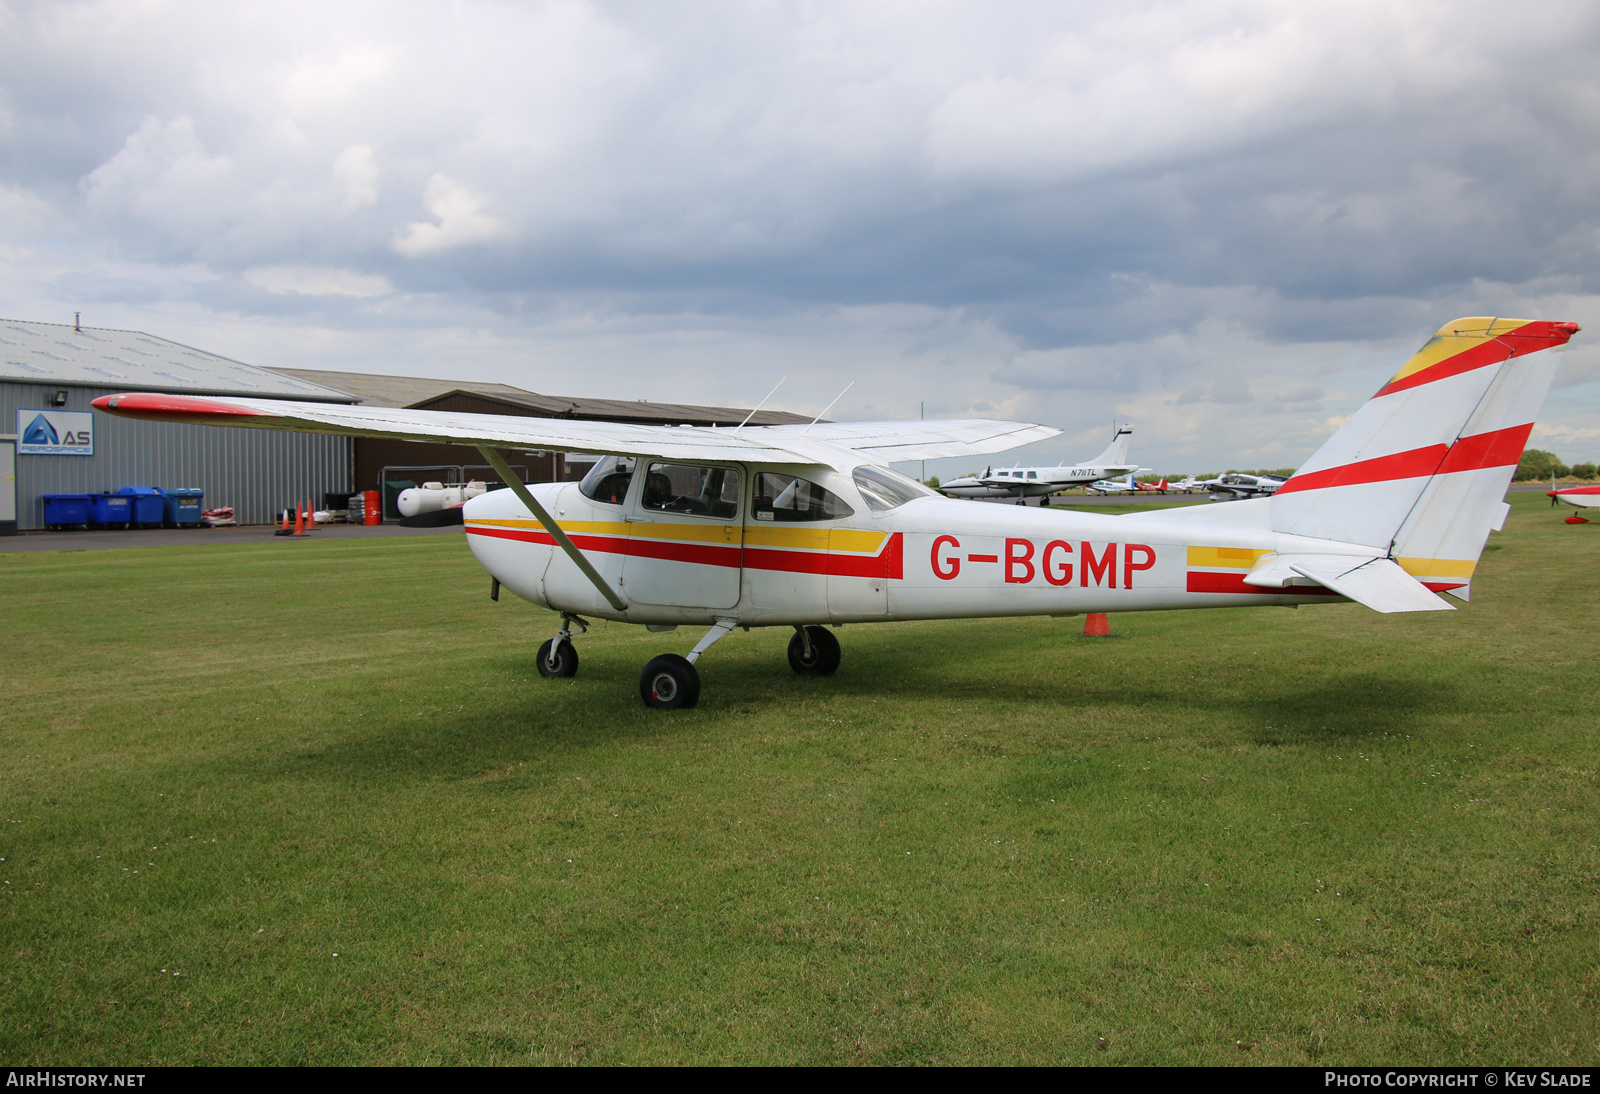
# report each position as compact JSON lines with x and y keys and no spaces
{"x":1250,"y":836}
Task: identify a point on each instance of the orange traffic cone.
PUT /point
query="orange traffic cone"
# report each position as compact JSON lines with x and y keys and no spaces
{"x":1096,"y":625}
{"x":299,"y":524}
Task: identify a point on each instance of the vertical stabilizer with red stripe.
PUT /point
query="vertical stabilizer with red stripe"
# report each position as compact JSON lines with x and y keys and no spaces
{"x":1419,"y":473}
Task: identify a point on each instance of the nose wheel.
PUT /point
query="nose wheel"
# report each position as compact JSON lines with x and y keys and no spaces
{"x":559,"y":657}
{"x":557,"y":660}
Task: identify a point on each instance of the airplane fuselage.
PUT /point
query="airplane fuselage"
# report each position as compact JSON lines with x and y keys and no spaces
{"x":929,"y":558}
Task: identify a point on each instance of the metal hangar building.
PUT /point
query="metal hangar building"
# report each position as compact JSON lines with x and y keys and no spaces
{"x":52,"y":442}
{"x":49,"y":374}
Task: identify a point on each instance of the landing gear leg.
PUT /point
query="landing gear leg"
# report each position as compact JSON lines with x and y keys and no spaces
{"x":670,"y":682}
{"x":559,"y":657}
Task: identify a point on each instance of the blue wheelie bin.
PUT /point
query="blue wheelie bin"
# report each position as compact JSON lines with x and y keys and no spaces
{"x":106,"y":510}
{"x":182,"y":504}
{"x":147,"y":505}
{"x":66,"y":510}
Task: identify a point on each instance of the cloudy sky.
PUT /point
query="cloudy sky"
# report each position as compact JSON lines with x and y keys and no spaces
{"x":1223,"y":221}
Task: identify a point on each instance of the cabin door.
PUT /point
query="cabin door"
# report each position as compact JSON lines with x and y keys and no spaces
{"x":685,"y":537}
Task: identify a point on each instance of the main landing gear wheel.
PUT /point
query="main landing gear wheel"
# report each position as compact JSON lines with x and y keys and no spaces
{"x":669,"y":682}
{"x":821,"y":659}
{"x":559,"y":660}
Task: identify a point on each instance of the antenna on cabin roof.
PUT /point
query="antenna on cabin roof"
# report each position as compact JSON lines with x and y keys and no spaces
{"x":759,"y":405}
{"x":77,"y":321}
{"x":829,"y":407}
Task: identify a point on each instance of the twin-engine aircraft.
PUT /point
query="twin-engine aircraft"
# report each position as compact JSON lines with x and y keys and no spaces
{"x":1238,"y":484}
{"x":1034,"y":482}
{"x":801,"y":526}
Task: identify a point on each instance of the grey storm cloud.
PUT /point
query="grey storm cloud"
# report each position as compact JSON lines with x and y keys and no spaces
{"x":1186,"y":211}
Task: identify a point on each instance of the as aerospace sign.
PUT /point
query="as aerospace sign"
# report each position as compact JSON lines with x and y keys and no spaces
{"x":55,"y":433}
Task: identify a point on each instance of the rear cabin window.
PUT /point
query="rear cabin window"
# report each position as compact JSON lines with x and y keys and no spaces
{"x":884,"y":489}
{"x":607,"y":481}
{"x":787,"y":498}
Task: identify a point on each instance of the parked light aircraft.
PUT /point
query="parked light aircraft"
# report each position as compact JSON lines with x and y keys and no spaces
{"x":1236,"y":484}
{"x":1129,"y":485}
{"x":1579,"y":497}
{"x":800,"y":526}
{"x":1032,"y":482}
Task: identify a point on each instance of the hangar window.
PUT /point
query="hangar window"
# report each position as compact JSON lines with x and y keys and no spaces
{"x":884,"y":489}
{"x":608,"y":479}
{"x":786,"y":498}
{"x":686,"y":488}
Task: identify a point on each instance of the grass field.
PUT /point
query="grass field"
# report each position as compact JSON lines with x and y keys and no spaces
{"x":312,"y":803}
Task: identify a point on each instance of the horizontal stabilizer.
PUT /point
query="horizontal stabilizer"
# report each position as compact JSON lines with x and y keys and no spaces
{"x":1275,"y":571}
{"x":1380,"y":584}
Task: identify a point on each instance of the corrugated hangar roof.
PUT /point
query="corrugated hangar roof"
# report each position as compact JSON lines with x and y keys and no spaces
{"x":376,"y":390}
{"x":60,"y":353}
{"x":411,"y":391}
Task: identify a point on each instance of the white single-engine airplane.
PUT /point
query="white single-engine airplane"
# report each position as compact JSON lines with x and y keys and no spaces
{"x":798,"y":526}
{"x":1579,"y":497}
{"x":1033,"y":482}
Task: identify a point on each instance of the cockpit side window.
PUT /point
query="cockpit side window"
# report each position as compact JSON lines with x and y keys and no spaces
{"x":688,"y":488}
{"x":786,"y":498}
{"x":607,"y":481}
{"x":884,"y":489}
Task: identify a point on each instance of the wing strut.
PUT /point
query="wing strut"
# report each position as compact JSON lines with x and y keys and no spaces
{"x":498,"y":462}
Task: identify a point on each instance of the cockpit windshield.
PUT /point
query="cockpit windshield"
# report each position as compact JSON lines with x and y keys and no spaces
{"x":884,"y":489}
{"x":608,"y":479}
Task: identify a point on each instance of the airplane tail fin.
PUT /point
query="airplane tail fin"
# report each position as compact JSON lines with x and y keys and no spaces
{"x":1117,"y":454}
{"x":1419,"y":473}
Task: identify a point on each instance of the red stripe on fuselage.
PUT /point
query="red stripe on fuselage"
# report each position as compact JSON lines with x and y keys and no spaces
{"x":889,"y":563}
{"x":1202,"y":581}
{"x":1205,"y":581}
{"x":699,"y":553}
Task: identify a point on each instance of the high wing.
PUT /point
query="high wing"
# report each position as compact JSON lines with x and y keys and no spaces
{"x":836,"y":444}
{"x":894,"y":442}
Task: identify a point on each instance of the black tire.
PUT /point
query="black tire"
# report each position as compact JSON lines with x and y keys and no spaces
{"x":565,"y":662}
{"x":824,"y":659}
{"x":669,"y":682}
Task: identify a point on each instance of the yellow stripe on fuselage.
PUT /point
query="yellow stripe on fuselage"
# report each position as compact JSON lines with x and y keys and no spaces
{"x":803,"y":537}
{"x":1448,"y":342}
{"x":813,"y":539}
{"x":1225,"y":558}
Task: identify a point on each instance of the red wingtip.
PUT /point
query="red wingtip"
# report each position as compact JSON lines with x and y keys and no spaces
{"x":173,"y":408}
{"x":1569,"y":329}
